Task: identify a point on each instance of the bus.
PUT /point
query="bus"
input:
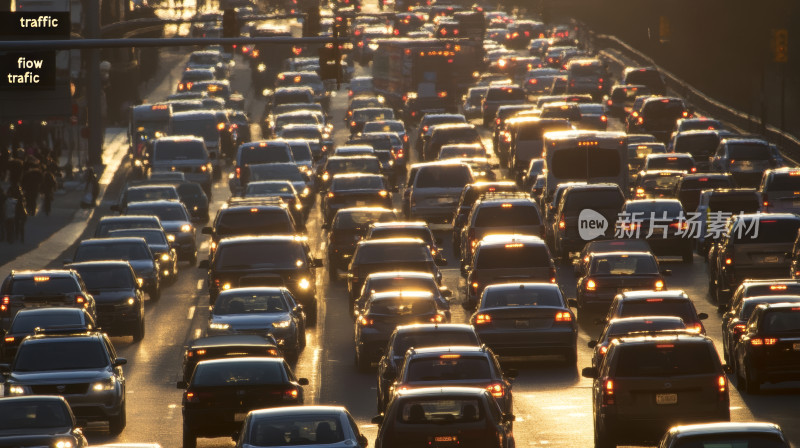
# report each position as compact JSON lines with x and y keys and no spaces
{"x":147,"y":122}
{"x":587,"y":156}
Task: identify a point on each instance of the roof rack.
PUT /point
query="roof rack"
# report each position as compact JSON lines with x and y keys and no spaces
{"x":504,"y":195}
{"x":63,"y":329}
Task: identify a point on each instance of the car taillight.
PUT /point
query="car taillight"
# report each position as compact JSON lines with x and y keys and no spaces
{"x":763,"y":341}
{"x":603,"y":118}
{"x":533,"y":81}
{"x":238,"y":172}
{"x":4,"y":305}
{"x":8,"y":339}
{"x":608,"y":392}
{"x":563,"y":316}
{"x":603,"y":349}
{"x":766,"y":199}
{"x":496,"y":390}
{"x":659,"y":285}
{"x":728,"y":261}
{"x":552,"y":275}
{"x":696,"y":328}
{"x":680,"y":225}
{"x":437,"y":319}
{"x":738,"y":329}
{"x":591,"y":285}
{"x":561,"y":223}
{"x":365,"y":322}
{"x":80,"y":300}
{"x":640,"y":120}
{"x":481,"y":319}
{"x":497,"y":121}
{"x":722,"y":383}
{"x":291,"y":394}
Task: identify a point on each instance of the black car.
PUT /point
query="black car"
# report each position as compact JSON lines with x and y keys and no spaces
{"x":39,"y":421}
{"x":36,"y":289}
{"x":471,"y":193}
{"x":347,"y":228}
{"x":159,"y":245}
{"x":749,"y":434}
{"x":222,"y":391}
{"x":690,"y":186}
{"x":265,"y":261}
{"x":355,"y":190}
{"x":118,"y":297}
{"x":108,"y":224}
{"x":662,"y":223}
{"x":334,"y":165}
{"x":734,"y":322}
{"x":523,"y":319}
{"x":385,"y":281}
{"x":768,"y":351}
{"x":417,"y":336}
{"x":81,"y":366}
{"x":226,"y":346}
{"x":135,"y":251}
{"x":263,"y":217}
{"x":27,"y":321}
{"x":176,"y":221}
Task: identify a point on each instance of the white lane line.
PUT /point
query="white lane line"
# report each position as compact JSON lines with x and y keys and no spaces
{"x":316,"y":377}
{"x":191,"y":313}
{"x":197,"y":333}
{"x":171,"y":410}
{"x":200,"y":284}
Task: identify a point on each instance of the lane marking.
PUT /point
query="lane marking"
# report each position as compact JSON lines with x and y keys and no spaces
{"x":191,"y":313}
{"x":200,"y":284}
{"x":197,"y":333}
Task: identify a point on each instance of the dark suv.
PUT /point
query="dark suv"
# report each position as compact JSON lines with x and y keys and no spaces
{"x":35,"y":289}
{"x":348,"y":227}
{"x":648,"y":384}
{"x":658,"y":117}
{"x":604,"y":199}
{"x":82,"y":367}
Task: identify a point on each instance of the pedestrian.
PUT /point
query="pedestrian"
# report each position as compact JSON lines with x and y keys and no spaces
{"x":49,"y":186}
{"x":92,"y":189}
{"x":4,"y":158}
{"x":20,"y":216}
{"x":12,"y":205}
{"x":31,"y":186}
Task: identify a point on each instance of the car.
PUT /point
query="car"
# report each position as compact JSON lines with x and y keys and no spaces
{"x":745,"y":158}
{"x":690,"y":186}
{"x":39,"y":421}
{"x":44,"y":288}
{"x":641,"y":367}
{"x":523,"y":319}
{"x":135,"y":251}
{"x":497,"y":213}
{"x":354,"y":150}
{"x":549,"y":202}
{"x":619,"y":327}
{"x":469,"y":195}
{"x":639,"y":152}
{"x":622,"y":96}
{"x":395,"y":126}
{"x":355,"y":190}
{"x":471,"y":103}
{"x":474,"y":155}
{"x":760,"y":252}
{"x":222,"y":391}
{"x":778,"y":187}
{"x":362,"y":116}
{"x":766,"y":351}
{"x":362,"y":101}
{"x":145,"y":193}
{"x":593,"y":117}
{"x":446,"y":413}
{"x":263,"y":312}
{"x":662,"y":223}
{"x":658,"y":116}
{"x":302,"y":182}
{"x":348,"y":227}
{"x":535,"y":169}
{"x":427,"y":123}
{"x":435,"y":190}
{"x":159,"y":245}
{"x":610,"y":273}
{"x":347,"y":164}
{"x":448,"y":134}
{"x":734,"y":321}
{"x":107,"y":224}
{"x":82,"y":366}
{"x":254,"y":153}
{"x":701,"y":144}
{"x":407,"y":229}
{"x":332,"y":426}
{"x":382,"y":313}
{"x":176,"y":221}
{"x":275,"y":260}
{"x":713,"y":208}
{"x":507,"y":258}
{"x":607,"y":245}
{"x":526,"y":140}
{"x":360,"y":86}
{"x":497,"y":95}
{"x":388,"y":147}
{"x":214,"y":130}
{"x":454,"y":365}
{"x":186,"y":154}
{"x":649,"y":77}
{"x":725,"y":434}
{"x":282,"y":189}
{"x":383,"y":281}
{"x":406,"y":337}
{"x":264,"y":217}
{"x":656,"y":184}
{"x":670,"y":161}
{"x":27,"y":321}
{"x":117,"y":294}
{"x":226,"y":346}
{"x":538,"y":80}
{"x":674,"y":302}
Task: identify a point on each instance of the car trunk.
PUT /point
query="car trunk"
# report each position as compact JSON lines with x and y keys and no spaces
{"x":522,"y":318}
{"x":669,"y":396}
{"x":615,"y":284}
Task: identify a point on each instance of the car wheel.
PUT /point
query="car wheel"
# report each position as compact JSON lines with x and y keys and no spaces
{"x":138,"y":333}
{"x":155,"y":293}
{"x":117,"y":423}
{"x":751,"y":384}
{"x":192,"y":259}
{"x":362,"y":364}
{"x":601,"y":438}
{"x":688,"y":254}
{"x":189,"y":439}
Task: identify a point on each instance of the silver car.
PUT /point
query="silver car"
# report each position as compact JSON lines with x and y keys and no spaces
{"x":309,"y":426}
{"x":184,"y":154}
{"x":436,"y":190}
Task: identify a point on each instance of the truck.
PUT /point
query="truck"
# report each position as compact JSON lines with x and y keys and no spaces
{"x":440,"y":68}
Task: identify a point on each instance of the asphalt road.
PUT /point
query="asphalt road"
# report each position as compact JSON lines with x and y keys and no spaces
{"x":552,"y":402}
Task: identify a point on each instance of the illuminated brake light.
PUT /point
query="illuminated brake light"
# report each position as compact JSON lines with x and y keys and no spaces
{"x":9,"y":339}
{"x":437,"y":319}
{"x":654,"y":300}
{"x":591,"y":285}
{"x":777,"y":287}
{"x":770,"y":341}
{"x":450,"y":356}
{"x":496,"y":390}
{"x":481,"y":319}
{"x":290,"y":394}
{"x":365,"y":322}
{"x":728,"y":261}
{"x":757,"y":341}
{"x":722,"y":382}
{"x":563,"y":316}
{"x":603,"y":349}
{"x":739,"y":328}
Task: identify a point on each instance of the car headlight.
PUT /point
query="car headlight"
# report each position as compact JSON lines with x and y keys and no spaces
{"x":16,"y":390}
{"x":171,"y":238}
{"x":262,"y":67}
{"x":164,"y":257}
{"x":306,"y":191}
{"x":282,"y":324}
{"x":304,"y":283}
{"x":64,"y":444}
{"x":131,"y":301}
{"x":101,"y":386}
{"x":140,"y":281}
{"x":298,"y":206}
{"x":186,"y":228}
{"x":218,"y":326}
{"x":226,"y":286}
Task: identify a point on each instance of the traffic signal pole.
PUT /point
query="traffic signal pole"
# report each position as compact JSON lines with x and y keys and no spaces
{"x":93,"y":88}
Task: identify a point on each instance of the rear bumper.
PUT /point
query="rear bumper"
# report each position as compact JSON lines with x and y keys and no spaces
{"x":638,"y":429}
{"x":524,"y":343}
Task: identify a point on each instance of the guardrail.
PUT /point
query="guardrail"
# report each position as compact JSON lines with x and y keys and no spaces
{"x":789,"y":144}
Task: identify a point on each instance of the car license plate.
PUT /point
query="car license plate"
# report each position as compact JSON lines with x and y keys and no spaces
{"x":523,"y":323}
{"x":239,"y":416}
{"x":771,"y":259}
{"x":796,"y":346}
{"x":666,"y":398}
{"x":445,"y":439}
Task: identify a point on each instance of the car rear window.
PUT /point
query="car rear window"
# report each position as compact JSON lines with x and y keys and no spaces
{"x":536,"y":130}
{"x":583,"y":163}
{"x":106,"y":277}
{"x":647,"y":209}
{"x":658,"y":307}
{"x":618,"y":329}
{"x":43,"y":285}
{"x":354,"y":166}
{"x":578,"y":200}
{"x":247,"y":222}
{"x":663,"y":110}
{"x":664,"y":359}
{"x":165,"y":212}
{"x":670,"y":163}
{"x":401,"y":306}
{"x":393,"y":252}
{"x":151,"y":194}
{"x":765,"y":231}
{"x":784,"y":182}
{"x":705,"y":183}
{"x":783,"y":321}
{"x":401,"y":232}
{"x":172,"y":150}
{"x":252,"y":156}
{"x":749,"y":151}
{"x":357,"y":183}
{"x":700,"y":145}
{"x":500,"y":297}
{"x":433,"y":339}
{"x":203,"y":127}
{"x":263,"y":255}
{"x":505,"y":94}
{"x":455,"y":176}
{"x":351,"y":220}
{"x":238,"y":374}
{"x":112,"y":251}
{"x":731,"y":441}
{"x":25,"y":323}
{"x":449,"y":367}
{"x":519,"y":256}
{"x":442,"y":411}
{"x":734,"y":203}
{"x":513,"y":215}
{"x":624,"y":265}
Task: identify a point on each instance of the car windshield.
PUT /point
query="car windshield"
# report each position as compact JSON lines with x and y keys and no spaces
{"x":782,"y":321}
{"x":44,"y":285}
{"x":749,"y":151}
{"x":745,"y":440}
{"x":455,"y":176}
{"x":254,"y":255}
{"x":113,"y":251}
{"x":253,"y":155}
{"x":665,"y":359}
{"x":311,"y":429}
{"x":106,"y":277}
{"x":205,"y":128}
{"x":240,"y":373}
{"x":18,"y":417}
{"x":27,"y":322}
{"x":58,"y":354}
{"x":357,"y":183}
{"x":502,"y":297}
{"x":153,"y":237}
{"x":174,"y":212}
{"x":151,"y":194}
{"x":402,"y":306}
{"x":659,"y":307}
{"x":624,"y":265}
{"x":508,"y":215}
{"x":437,"y":338}
{"x":512,"y":256}
{"x":180,"y":150}
{"x":250,"y":303}
{"x":449,"y":367}
{"x":440,"y":411}
{"x":276,"y":172}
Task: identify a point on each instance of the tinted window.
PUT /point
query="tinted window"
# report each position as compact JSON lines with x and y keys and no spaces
{"x":252,"y":156}
{"x":61,"y":355}
{"x":311,"y":429}
{"x":106,"y":277}
{"x":679,"y":308}
{"x":26,"y":322}
{"x":282,"y":172}
{"x":394,"y":252}
{"x":441,"y":411}
{"x":44,"y":285}
{"x":262,"y":222}
{"x":699,"y":145}
{"x":357,"y":183}
{"x":787,"y":321}
{"x":663,"y":110}
{"x":238,"y":374}
{"x":497,"y":297}
{"x":17,"y":416}
{"x":402,"y":306}
{"x":734,"y":203}
{"x":455,"y":176}
{"x":433,"y":339}
{"x":516,"y":215}
{"x":278,"y":254}
{"x":204,"y":127}
{"x":449,"y":369}
{"x":112,"y":251}
{"x":164,"y":212}
{"x":624,"y":265}
{"x":667,"y":359}
{"x":582,"y":163}
{"x":505,"y":94}
{"x":784,"y":181}
{"x":301,"y":153}
{"x":749,"y":151}
{"x":151,"y":236}
{"x":172,"y":150}
{"x":250,"y":303}
{"x":512,"y":257}
{"x":731,"y":441}
{"x":578,"y":200}
{"x":765,"y":231}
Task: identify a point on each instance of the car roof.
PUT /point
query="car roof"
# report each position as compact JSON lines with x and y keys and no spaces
{"x":44,"y":272}
{"x":388,"y":295}
{"x":296,"y":410}
{"x":521,"y":286}
{"x":623,"y":320}
{"x":413,"y":328}
{"x":721,"y":428}
{"x":670,"y":294}
{"x":78,"y":334}
{"x":765,"y":216}
{"x":392,"y":241}
{"x":654,"y":339}
{"x":230,"y":339}
{"x":52,"y":309}
{"x":627,"y":253}
{"x":149,"y":186}
{"x":242,"y":360}
{"x":442,"y":392}
{"x":254,"y":290}
{"x":249,"y":239}
{"x":400,"y":224}
{"x":502,"y":239}
{"x":105,"y":263}
{"x":104,"y":241}
{"x":405,"y":274}
{"x":455,"y":349}
{"x":158,"y":203}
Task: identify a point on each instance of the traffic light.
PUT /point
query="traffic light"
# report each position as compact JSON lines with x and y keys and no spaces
{"x":780,"y":45}
{"x":311,"y":24}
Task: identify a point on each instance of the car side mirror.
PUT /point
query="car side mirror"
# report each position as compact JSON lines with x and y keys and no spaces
{"x":182,"y":384}
{"x":702,"y":316}
{"x":120,"y":362}
{"x":363,"y":442}
{"x":512,"y":373}
{"x":508,"y":418}
{"x":377,"y":420}
{"x":592,"y":344}
{"x":666,"y":272}
{"x":302,"y":381}
{"x":572,"y":303}
{"x":589,"y":372}
{"x":204,"y":264}
{"x":207,"y":230}
{"x":317,"y":263}
{"x":115,"y":208}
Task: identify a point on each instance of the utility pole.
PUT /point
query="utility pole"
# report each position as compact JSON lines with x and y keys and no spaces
{"x":93,"y":86}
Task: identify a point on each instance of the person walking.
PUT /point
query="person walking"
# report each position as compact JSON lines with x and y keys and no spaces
{"x":15,"y":169}
{"x":31,"y":186}
{"x":15,"y":214}
{"x":49,"y":186}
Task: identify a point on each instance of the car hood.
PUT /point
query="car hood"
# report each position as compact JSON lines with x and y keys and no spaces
{"x":249,"y":321}
{"x":60,"y":376}
{"x":112,"y":295}
{"x":32,"y":436}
